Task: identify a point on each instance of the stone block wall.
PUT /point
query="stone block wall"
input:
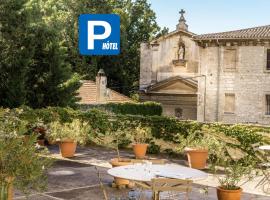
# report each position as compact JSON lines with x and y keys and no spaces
{"x":250,"y":82}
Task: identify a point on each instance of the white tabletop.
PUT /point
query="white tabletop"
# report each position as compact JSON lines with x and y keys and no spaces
{"x":144,"y":173}
{"x":265,"y":147}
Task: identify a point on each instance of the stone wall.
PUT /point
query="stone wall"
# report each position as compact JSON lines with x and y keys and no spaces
{"x":249,"y":82}
{"x":157,"y":59}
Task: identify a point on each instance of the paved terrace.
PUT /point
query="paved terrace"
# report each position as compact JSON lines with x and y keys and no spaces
{"x":76,"y":179}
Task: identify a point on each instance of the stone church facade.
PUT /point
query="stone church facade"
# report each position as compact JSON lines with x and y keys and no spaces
{"x":211,"y":77}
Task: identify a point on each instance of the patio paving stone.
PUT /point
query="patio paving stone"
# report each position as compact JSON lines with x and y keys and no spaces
{"x":76,"y":179}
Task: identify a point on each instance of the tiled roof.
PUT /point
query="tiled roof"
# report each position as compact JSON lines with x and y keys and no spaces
{"x":88,"y":94}
{"x":261,"y":32}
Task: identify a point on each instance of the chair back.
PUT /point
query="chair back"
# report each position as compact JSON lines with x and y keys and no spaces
{"x":168,"y":184}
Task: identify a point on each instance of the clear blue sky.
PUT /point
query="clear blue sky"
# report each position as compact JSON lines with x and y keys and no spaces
{"x":207,"y":16}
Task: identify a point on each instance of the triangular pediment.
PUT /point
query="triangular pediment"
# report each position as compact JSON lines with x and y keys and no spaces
{"x":174,"y":85}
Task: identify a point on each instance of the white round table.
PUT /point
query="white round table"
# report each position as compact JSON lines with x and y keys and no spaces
{"x":145,"y":173}
{"x":265,"y":147}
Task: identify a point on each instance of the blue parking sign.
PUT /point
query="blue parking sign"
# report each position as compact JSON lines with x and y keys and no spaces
{"x":99,"y":34}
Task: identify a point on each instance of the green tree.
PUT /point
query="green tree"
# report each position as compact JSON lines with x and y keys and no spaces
{"x":42,"y":75}
{"x":15,"y":52}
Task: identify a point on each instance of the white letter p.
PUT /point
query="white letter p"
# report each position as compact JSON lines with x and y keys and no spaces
{"x":91,"y":35}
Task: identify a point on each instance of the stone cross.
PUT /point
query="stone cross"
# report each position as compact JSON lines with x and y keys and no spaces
{"x":182,"y":21}
{"x":182,"y":12}
{"x":182,"y":18}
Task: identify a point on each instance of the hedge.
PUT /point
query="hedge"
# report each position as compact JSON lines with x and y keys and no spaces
{"x":162,"y":127}
{"x":147,"y":108}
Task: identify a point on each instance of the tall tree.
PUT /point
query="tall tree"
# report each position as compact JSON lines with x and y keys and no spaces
{"x":35,"y":68}
{"x":15,"y":52}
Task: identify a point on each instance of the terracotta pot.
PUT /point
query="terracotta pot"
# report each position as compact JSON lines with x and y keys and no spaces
{"x":140,"y":150}
{"x":197,"y":158}
{"x":223,"y":194}
{"x":67,"y":148}
{"x":116,"y":162}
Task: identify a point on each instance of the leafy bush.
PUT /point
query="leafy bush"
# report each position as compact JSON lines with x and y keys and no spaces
{"x":162,"y":127}
{"x":245,"y":134}
{"x":153,"y":148}
{"x":98,"y":119}
{"x":147,"y":108}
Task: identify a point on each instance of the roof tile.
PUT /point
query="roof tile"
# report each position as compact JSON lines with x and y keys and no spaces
{"x":261,"y":32}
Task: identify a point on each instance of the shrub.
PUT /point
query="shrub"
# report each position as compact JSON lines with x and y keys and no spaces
{"x":245,"y":134}
{"x":153,"y":148}
{"x":98,"y":119}
{"x":162,"y":127}
{"x":128,"y":108}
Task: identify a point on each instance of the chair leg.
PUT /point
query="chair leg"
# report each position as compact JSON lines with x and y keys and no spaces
{"x":155,"y":195}
{"x":186,"y":196}
{"x":158,"y":195}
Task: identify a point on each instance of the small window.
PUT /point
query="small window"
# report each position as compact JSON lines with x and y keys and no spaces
{"x":229,"y":107}
{"x":267,"y":104}
{"x":179,"y":113}
{"x":230,"y":58}
{"x":268,"y":60}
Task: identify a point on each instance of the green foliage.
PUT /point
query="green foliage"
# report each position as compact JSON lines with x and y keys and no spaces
{"x":33,"y":58}
{"x":146,"y":108}
{"x":99,"y":121}
{"x":153,"y":148}
{"x":76,"y":131}
{"x":102,"y":124}
{"x":199,"y":140}
{"x":245,"y":134}
{"x":15,"y":52}
{"x":234,"y":172}
{"x":18,"y":158}
{"x":141,"y":134}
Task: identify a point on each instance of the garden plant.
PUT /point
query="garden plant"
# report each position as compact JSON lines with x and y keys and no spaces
{"x":69,"y":134}
{"x":20,"y":163}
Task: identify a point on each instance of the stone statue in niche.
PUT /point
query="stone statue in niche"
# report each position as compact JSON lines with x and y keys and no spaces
{"x":181,"y":52}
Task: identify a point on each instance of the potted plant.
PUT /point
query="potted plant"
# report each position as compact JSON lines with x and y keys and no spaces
{"x":199,"y":146}
{"x":196,"y":149}
{"x":235,"y":174}
{"x":117,"y":134}
{"x":140,"y":136}
{"x":235,"y":167}
{"x":119,"y":131}
{"x":68,"y":135}
{"x":20,"y":164}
